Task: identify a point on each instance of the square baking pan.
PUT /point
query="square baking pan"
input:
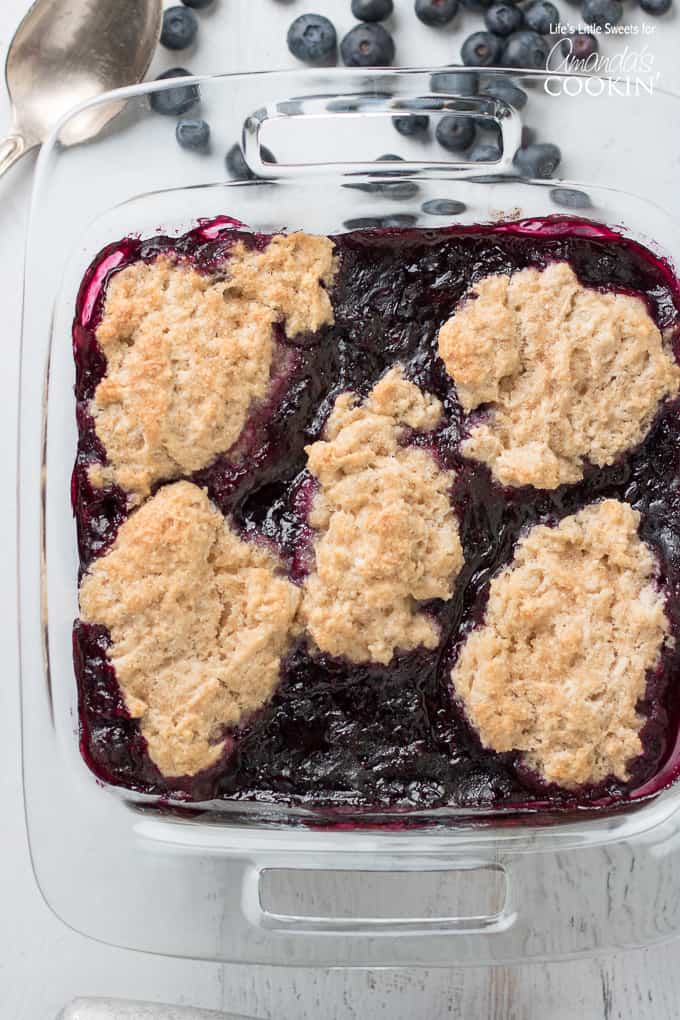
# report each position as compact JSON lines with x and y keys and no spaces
{"x":226,"y":883}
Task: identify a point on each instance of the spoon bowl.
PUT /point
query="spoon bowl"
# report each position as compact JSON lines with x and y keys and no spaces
{"x":68,"y":51}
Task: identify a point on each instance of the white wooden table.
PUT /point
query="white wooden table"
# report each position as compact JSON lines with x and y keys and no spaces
{"x":42,"y":964}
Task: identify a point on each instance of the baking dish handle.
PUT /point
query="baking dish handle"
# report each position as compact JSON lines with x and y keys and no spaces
{"x":317,"y":114}
{"x":466,"y":897}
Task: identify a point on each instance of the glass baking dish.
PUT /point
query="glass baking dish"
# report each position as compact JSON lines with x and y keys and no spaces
{"x":119,"y":866}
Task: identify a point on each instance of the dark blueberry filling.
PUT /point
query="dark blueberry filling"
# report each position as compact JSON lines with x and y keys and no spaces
{"x":338,"y":734}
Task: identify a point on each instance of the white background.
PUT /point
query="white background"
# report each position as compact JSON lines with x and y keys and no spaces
{"x":42,"y":964}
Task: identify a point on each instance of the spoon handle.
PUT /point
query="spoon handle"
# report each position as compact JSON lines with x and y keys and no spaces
{"x":12,"y":148}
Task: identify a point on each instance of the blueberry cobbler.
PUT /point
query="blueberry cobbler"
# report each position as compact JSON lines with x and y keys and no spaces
{"x":383,"y":520}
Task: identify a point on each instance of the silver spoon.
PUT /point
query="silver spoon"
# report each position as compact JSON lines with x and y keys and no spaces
{"x":67,"y":51}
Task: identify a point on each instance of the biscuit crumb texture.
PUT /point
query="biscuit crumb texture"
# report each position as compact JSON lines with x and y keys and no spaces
{"x":188,"y":354}
{"x":571,"y":628}
{"x":199,"y":621}
{"x":567,"y":373}
{"x":387,"y":537}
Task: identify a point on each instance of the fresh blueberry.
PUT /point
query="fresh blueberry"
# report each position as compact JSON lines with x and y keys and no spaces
{"x":481,"y":49}
{"x":570,"y":198}
{"x":174,"y":101}
{"x":372,"y":10}
{"x":436,"y":12}
{"x":443,"y":207}
{"x":193,"y":133}
{"x":390,"y":157}
{"x":602,"y":12}
{"x":455,"y":83}
{"x":455,"y":133}
{"x":501,"y":88}
{"x":656,"y":7}
{"x":538,"y":160}
{"x":367,"y":45}
{"x":541,"y":15}
{"x":411,"y":124}
{"x":198,"y":5}
{"x":398,"y":220}
{"x":180,"y":26}
{"x":400,"y":190}
{"x":484,"y":152}
{"x":312,"y":38}
{"x":477,"y":5}
{"x":580,"y":45}
{"x":503,"y":18}
{"x":237,"y":166}
{"x":363,"y":223}
{"x":526,"y":49}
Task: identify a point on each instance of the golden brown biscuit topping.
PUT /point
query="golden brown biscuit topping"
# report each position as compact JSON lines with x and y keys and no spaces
{"x":188,"y":355}
{"x":571,"y":629}
{"x":387,"y":536}
{"x":568,"y":373}
{"x":199,"y":621}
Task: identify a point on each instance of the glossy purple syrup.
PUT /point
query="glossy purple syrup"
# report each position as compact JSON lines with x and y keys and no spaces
{"x":346,"y":736}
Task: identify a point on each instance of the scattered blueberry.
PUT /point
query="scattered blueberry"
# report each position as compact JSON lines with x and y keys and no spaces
{"x":377,"y":185}
{"x":538,"y":160}
{"x":656,"y":7}
{"x":363,"y":223}
{"x":477,"y":5}
{"x":412,"y":124}
{"x":436,"y":12}
{"x":177,"y":100}
{"x":443,"y":207}
{"x":312,"y":38}
{"x":570,"y":198}
{"x":198,"y":5}
{"x":501,"y":88}
{"x":455,"y":133}
{"x":580,"y":45}
{"x":389,"y":157}
{"x":602,"y":12}
{"x":526,"y":49}
{"x":372,"y":222}
{"x":237,"y":166}
{"x":504,"y":18}
{"x":367,"y":45}
{"x":484,"y":152}
{"x":193,"y":133}
{"x":180,"y":26}
{"x":401,"y":190}
{"x":372,"y":10}
{"x":541,"y":15}
{"x":481,"y":49}
{"x":455,"y":83}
